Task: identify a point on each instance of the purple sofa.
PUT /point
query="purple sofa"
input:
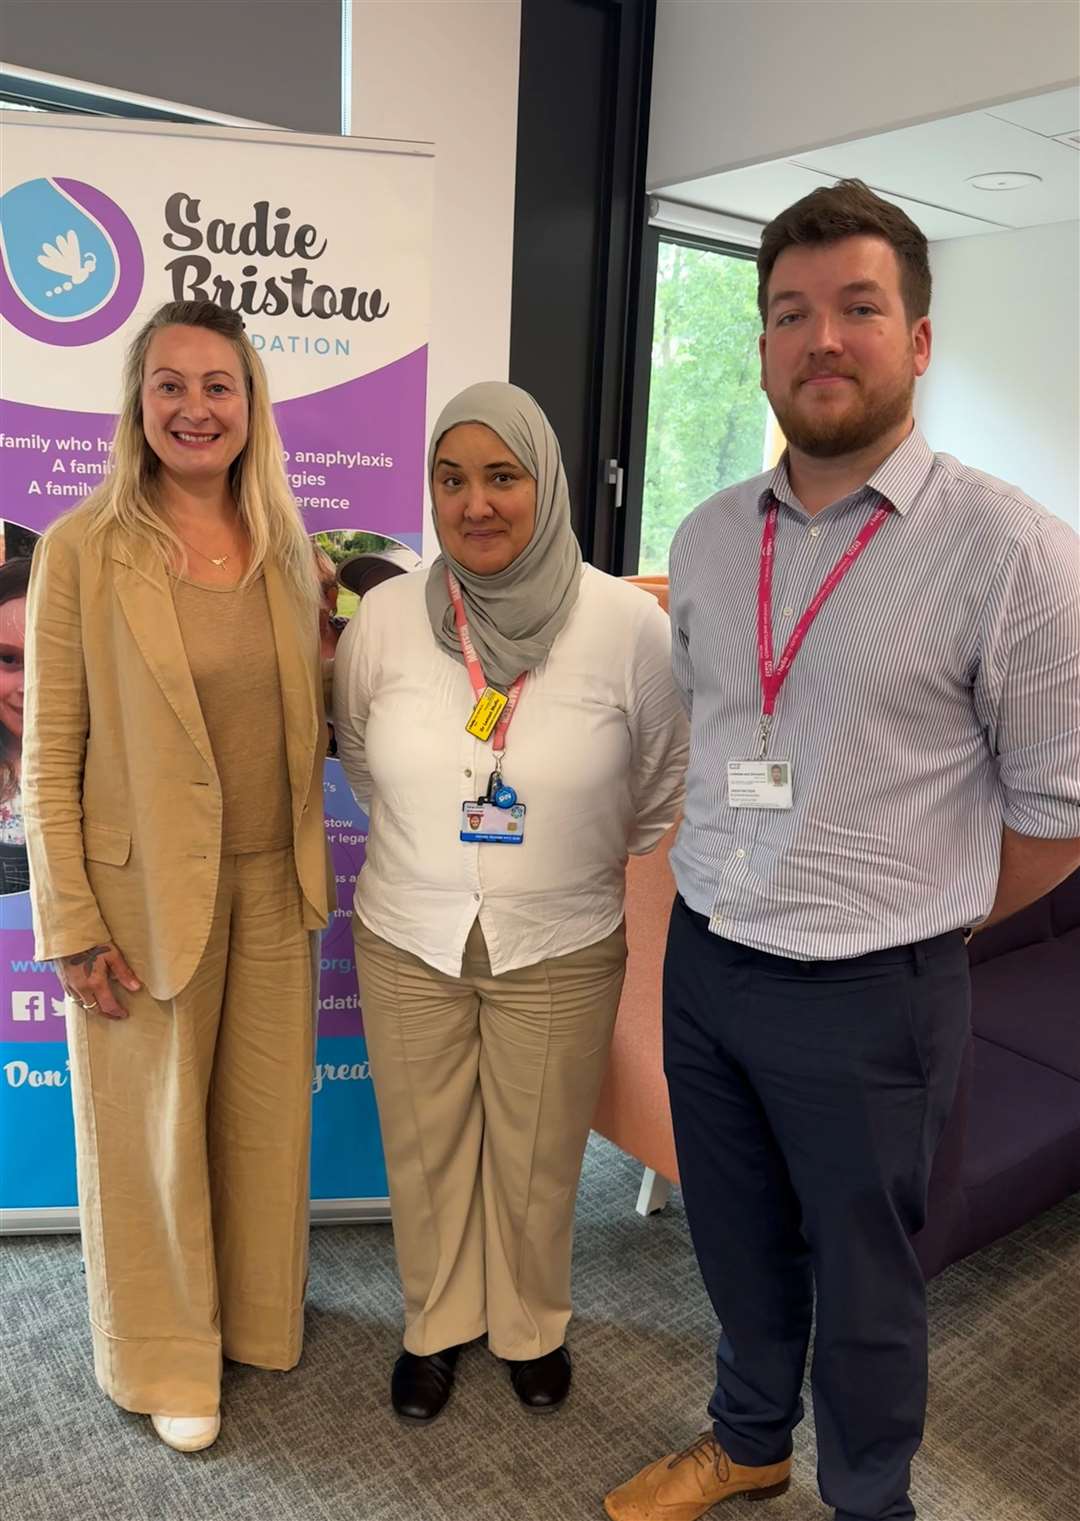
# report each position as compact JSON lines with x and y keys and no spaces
{"x":1011,"y":1147}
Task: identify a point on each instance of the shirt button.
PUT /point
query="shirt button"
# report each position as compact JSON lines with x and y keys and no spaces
{"x":476,"y":897}
{"x":814,"y":531}
{"x":740,"y":853}
{"x":468,"y":771}
{"x":789,"y":612}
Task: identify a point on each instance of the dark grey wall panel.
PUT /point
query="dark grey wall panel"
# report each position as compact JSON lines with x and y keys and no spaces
{"x":277,"y":61}
{"x":579,"y":215}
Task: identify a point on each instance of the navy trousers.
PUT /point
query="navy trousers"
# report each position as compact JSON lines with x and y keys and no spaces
{"x":807,"y":1099}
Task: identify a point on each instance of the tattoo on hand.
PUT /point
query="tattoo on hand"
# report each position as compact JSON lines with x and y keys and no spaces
{"x":87,"y":959}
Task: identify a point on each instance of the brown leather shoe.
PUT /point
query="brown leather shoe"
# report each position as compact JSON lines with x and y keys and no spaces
{"x":689,"y":1483}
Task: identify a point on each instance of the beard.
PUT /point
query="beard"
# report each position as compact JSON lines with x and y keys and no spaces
{"x":865,"y":420}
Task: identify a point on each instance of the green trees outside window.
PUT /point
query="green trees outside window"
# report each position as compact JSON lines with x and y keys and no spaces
{"x":707,"y":413}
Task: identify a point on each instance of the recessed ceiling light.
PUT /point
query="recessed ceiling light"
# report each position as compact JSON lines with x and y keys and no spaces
{"x":1004,"y":179}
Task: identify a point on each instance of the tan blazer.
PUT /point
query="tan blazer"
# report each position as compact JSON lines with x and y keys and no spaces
{"x":121,"y":796}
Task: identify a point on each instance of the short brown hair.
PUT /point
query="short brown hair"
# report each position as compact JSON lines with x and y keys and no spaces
{"x":849,"y":209}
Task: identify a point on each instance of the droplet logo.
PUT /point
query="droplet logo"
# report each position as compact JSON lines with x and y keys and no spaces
{"x":71,"y":268}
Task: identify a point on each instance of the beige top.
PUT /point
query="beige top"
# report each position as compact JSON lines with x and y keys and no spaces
{"x":229,"y":640}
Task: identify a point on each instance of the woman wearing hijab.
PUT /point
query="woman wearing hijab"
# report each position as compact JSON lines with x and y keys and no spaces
{"x":508,"y":719}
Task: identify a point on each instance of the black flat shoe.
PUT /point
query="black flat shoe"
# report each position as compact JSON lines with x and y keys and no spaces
{"x":542,"y":1383}
{"x":420,"y":1386}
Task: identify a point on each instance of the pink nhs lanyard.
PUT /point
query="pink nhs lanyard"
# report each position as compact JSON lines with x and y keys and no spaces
{"x":774,"y":674}
{"x":475,"y":670}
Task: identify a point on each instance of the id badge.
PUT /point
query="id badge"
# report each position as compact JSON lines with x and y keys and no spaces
{"x":485,"y":715}
{"x":759,"y":783}
{"x":484,"y":824}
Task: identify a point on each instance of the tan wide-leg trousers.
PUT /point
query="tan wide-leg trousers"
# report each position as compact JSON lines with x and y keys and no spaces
{"x":486,"y":1088}
{"x":192,"y":1127}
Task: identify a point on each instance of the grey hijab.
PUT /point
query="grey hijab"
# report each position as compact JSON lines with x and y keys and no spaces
{"x":514,"y":615}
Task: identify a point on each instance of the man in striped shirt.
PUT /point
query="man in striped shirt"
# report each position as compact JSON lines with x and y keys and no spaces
{"x":900,"y":634}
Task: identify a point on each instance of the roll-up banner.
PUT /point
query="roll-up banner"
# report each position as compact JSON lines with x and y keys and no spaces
{"x":323,"y":245}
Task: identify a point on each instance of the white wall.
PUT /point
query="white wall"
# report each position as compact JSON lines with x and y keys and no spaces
{"x":739,"y":82}
{"x":446,"y":71}
{"x":1003,"y":389}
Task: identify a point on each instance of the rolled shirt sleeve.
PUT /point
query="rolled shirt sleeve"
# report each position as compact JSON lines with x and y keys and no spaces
{"x":1027,"y":685}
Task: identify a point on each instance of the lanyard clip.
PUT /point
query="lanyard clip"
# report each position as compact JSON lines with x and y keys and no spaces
{"x":498,"y":792}
{"x":763,"y":734}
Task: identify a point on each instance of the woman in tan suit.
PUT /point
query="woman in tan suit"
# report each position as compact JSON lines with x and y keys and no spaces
{"x":172,"y":785}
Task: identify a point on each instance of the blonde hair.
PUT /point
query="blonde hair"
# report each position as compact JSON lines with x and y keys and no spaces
{"x":126,"y":501}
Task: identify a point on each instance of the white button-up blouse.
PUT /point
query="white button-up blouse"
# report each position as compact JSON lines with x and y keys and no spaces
{"x":596,"y":751}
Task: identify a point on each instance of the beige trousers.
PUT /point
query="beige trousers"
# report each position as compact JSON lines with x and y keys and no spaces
{"x":192,"y":1129}
{"x":486,"y":1088}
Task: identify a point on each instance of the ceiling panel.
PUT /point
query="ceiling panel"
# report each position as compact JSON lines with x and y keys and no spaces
{"x":935,"y":161}
{"x":1052,"y":114}
{"x":761,"y":191}
{"x":927,"y":170}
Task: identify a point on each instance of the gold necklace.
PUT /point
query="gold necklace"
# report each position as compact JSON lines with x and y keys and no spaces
{"x":219,"y":560}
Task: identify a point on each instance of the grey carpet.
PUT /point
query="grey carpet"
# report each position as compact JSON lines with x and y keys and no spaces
{"x":320,"y":1444}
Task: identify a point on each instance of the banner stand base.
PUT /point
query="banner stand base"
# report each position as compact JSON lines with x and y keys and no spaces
{"x":54,"y":1222}
{"x":38,"y":1222}
{"x":350,"y":1211}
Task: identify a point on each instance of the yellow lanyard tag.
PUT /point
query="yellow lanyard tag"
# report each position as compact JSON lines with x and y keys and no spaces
{"x":486,"y":714}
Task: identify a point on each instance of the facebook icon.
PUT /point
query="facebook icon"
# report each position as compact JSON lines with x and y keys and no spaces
{"x":27,"y":1007}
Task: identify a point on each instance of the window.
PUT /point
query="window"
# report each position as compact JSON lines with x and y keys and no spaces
{"x":707,"y":417}
{"x":25,"y":89}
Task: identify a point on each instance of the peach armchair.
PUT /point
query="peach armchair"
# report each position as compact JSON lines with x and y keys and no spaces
{"x":633,"y":1107}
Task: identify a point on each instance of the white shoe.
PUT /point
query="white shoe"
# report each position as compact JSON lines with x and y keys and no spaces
{"x":187,"y":1433}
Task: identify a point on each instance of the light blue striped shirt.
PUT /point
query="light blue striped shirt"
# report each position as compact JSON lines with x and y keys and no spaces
{"x":936,"y":696}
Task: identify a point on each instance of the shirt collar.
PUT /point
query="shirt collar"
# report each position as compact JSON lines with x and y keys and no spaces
{"x":899,"y":478}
